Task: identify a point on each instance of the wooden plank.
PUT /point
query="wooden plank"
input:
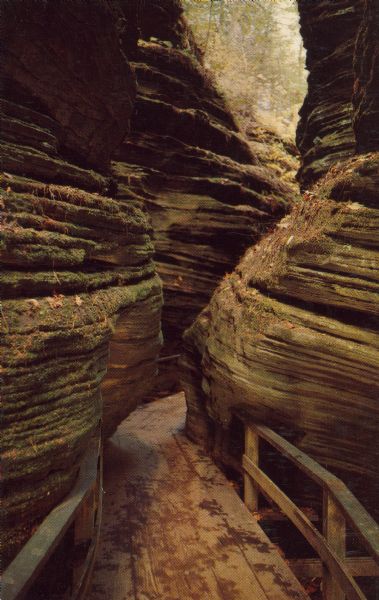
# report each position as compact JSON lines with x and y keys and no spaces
{"x":313,"y":536}
{"x":359,"y":566}
{"x":173,"y":526}
{"x":29,"y":562}
{"x":355,"y":514}
{"x":268,"y":514}
{"x":250,"y":490}
{"x":334,"y":530}
{"x":247,"y":539}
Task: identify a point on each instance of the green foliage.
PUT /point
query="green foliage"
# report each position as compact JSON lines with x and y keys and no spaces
{"x":255,"y":50}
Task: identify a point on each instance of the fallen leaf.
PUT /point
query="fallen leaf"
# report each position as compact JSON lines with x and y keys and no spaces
{"x":289,"y":240}
{"x":313,"y":586}
{"x":355,"y":206}
{"x":55,"y":301}
{"x":78,"y":301}
{"x":34,"y":303}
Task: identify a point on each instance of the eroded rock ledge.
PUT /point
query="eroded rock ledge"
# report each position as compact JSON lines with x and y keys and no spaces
{"x":77,"y":266}
{"x":80,"y":293}
{"x":206,"y":189}
{"x":325,"y":131}
{"x":293,"y":333}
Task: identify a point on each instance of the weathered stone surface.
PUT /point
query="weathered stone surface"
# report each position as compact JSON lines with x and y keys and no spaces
{"x":77,"y":271}
{"x":292,"y":333}
{"x":325,"y":132}
{"x":366,"y":85}
{"x":75,"y":45}
{"x":277,"y":154}
{"x":160,"y":19}
{"x":205,"y":186}
{"x":78,"y":285}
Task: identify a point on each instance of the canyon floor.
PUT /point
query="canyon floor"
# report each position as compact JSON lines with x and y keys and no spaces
{"x":173,"y":526}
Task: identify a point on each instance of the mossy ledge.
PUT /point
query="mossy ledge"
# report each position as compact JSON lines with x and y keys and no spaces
{"x":81,"y":300}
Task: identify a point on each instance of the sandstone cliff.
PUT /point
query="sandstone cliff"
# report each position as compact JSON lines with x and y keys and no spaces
{"x":77,"y":266}
{"x":292,"y":333}
{"x":99,"y":170}
{"x":325,"y":132}
{"x":366,"y":85}
{"x":207,"y":191}
{"x":80,"y":294}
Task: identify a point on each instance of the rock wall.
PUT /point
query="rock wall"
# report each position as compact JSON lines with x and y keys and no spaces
{"x":206,"y":190}
{"x":80,"y":293}
{"x":366,"y":85}
{"x":77,"y":266}
{"x":89,"y":94}
{"x":325,"y":132}
{"x":292,"y":334}
{"x":92,"y":167}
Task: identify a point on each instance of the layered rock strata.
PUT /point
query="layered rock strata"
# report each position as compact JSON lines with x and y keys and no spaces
{"x":366,"y":85}
{"x":325,"y":131}
{"x":77,"y":272}
{"x":206,"y":190}
{"x":292,"y":335}
{"x":85,"y":85}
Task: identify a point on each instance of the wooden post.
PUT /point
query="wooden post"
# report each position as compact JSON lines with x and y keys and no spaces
{"x":252,"y":452}
{"x":334,"y":530}
{"x":84,"y":531}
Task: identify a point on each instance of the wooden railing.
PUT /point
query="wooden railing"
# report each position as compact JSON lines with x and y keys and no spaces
{"x":82,"y":509}
{"x":340,"y":507}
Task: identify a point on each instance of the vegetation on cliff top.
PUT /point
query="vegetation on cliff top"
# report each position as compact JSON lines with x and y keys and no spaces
{"x":243,"y":46}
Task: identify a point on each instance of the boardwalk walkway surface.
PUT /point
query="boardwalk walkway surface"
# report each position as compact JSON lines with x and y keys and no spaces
{"x":173,"y":527}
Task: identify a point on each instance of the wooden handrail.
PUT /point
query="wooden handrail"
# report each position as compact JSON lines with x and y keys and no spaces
{"x":359,"y":566}
{"x":339,"y":504}
{"x":309,"y":531}
{"x":25,"y":568}
{"x":358,"y":518}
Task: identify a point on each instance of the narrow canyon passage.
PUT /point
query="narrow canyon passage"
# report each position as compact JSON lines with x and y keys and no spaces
{"x":163,"y":227}
{"x":173,"y":526}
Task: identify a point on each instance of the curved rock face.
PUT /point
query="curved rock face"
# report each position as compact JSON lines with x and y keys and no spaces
{"x":77,"y":266}
{"x":292,"y":334}
{"x":161,"y":19}
{"x":93,"y":91}
{"x":79,"y":288}
{"x":206,"y":192}
{"x":325,"y":131}
{"x":366,"y":87}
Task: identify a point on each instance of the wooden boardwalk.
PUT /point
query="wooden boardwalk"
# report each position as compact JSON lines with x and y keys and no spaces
{"x":173,"y":526}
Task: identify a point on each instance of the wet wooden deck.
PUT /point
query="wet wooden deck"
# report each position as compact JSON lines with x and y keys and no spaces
{"x":173,"y":527}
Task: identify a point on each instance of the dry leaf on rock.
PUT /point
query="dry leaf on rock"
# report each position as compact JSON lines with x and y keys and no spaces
{"x":55,"y":301}
{"x":35,"y":305}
